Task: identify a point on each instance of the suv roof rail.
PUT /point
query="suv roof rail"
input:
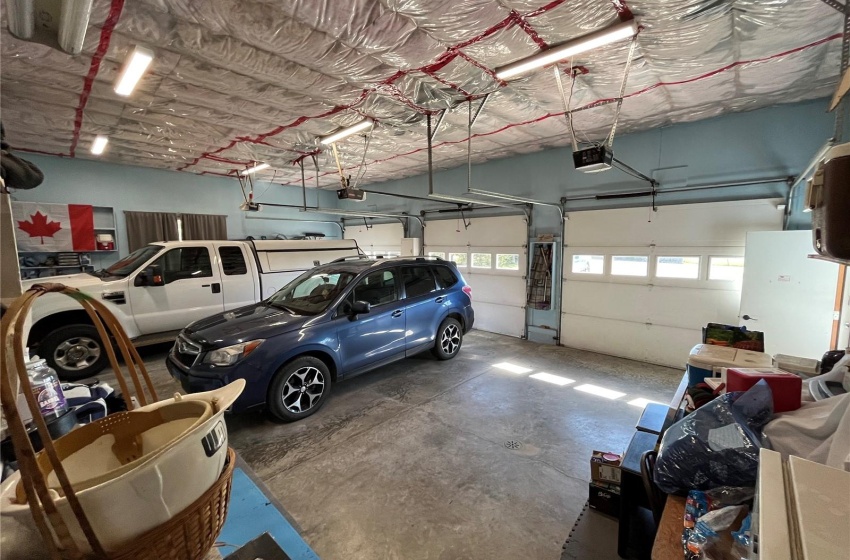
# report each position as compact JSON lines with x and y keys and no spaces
{"x":418,"y":258}
{"x":351,"y":257}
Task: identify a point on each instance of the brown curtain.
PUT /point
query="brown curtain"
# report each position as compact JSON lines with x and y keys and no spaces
{"x":146,"y":227}
{"x":203,"y":226}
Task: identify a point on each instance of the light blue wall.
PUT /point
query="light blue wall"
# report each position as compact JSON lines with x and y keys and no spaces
{"x":77,"y":181}
{"x":777,"y":141}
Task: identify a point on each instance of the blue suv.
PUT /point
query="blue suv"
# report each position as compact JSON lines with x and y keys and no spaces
{"x":331,"y":323}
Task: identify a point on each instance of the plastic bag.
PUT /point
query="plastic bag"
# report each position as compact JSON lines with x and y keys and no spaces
{"x":717,"y":445}
{"x":699,"y":542}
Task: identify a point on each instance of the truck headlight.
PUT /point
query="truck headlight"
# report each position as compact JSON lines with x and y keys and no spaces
{"x":231,"y":354}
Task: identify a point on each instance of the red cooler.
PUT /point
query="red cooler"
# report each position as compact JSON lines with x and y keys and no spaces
{"x":787,"y":388}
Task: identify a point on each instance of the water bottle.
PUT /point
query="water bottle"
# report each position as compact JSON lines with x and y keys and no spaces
{"x":46,"y":389}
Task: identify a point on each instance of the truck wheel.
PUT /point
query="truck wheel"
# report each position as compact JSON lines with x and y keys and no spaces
{"x":75,"y":352}
{"x":299,"y":389}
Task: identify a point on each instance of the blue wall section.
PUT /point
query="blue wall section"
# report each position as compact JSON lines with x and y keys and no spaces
{"x":124,"y":187}
{"x":776,"y":142}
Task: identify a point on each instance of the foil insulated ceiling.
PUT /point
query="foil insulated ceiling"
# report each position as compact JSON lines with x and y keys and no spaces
{"x":240,"y":81}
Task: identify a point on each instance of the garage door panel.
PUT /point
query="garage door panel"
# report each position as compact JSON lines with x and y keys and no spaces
{"x":498,"y":295}
{"x":504,"y":290}
{"x":378,"y":239}
{"x":500,"y":319}
{"x":624,"y":301}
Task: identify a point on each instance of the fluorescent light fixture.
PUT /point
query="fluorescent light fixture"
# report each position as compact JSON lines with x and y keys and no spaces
{"x":258,"y":167}
{"x":467,"y":200}
{"x":641,"y":402}
{"x":99,"y":144}
{"x":346,"y":132}
{"x":511,"y":367}
{"x":554,"y":379}
{"x":134,"y":68}
{"x":599,"y":391}
{"x":617,"y":32}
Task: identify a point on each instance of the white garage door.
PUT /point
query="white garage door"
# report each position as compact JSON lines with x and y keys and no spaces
{"x":491,"y":255}
{"x":378,"y":239}
{"x":644,"y":290}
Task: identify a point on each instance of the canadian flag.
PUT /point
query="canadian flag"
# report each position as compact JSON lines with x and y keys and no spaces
{"x":53,"y":227}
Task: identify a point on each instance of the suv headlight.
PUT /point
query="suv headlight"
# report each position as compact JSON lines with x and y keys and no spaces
{"x":231,"y":354}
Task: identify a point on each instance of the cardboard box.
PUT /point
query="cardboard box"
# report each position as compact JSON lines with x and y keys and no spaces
{"x":605,"y":467}
{"x":605,"y":499}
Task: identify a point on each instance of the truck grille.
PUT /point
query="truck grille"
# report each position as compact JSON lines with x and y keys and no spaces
{"x":185,"y":351}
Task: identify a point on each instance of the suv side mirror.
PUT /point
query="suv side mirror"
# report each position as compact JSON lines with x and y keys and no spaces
{"x":359,"y":307}
{"x":151,"y":276}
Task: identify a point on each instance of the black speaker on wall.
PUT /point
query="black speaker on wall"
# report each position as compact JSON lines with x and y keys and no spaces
{"x":829,"y":200}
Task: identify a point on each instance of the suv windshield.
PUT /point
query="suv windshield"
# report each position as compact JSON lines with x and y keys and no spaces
{"x":311,"y":293}
{"x":134,"y":260}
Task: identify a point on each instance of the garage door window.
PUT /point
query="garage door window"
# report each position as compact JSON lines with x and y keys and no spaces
{"x":507,"y":261}
{"x":629,"y":265}
{"x":677,"y":267}
{"x":439,"y":254}
{"x":461,"y":259}
{"x":588,"y":264}
{"x":418,"y":281}
{"x":726,"y":268}
{"x":482,"y":260}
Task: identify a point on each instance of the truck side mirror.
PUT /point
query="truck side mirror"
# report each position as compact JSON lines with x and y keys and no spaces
{"x":150,"y":276}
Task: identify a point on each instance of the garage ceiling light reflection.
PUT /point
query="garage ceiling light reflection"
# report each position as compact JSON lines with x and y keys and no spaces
{"x":549,"y":378}
{"x":641,"y":402}
{"x":600,"y":391}
{"x":511,"y":367}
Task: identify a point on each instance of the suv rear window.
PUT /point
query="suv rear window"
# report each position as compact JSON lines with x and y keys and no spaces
{"x":418,"y":281}
{"x":445,"y":277}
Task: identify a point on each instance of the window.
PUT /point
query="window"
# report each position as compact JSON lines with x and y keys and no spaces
{"x":376,"y":288}
{"x":588,"y":264}
{"x":726,"y":268}
{"x":629,"y":265}
{"x":482,"y":260}
{"x":418,"y":281}
{"x":460,"y":259}
{"x":440,"y":254}
{"x":310,"y":293}
{"x":445,"y":277}
{"x":508,"y":261}
{"x":677,"y":267}
{"x":184,"y":263}
{"x":232,"y":261}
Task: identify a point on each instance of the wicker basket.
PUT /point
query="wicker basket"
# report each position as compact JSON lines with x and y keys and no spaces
{"x":187,"y":536}
{"x":191,"y":534}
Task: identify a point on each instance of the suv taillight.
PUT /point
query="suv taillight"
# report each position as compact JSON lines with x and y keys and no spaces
{"x":468,"y":291}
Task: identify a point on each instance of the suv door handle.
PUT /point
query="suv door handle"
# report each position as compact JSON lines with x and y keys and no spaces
{"x":397,"y":313}
{"x":440,"y":299}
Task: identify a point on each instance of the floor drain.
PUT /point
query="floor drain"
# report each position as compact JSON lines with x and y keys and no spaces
{"x":513,"y":444}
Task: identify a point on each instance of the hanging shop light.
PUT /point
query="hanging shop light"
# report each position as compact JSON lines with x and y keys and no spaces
{"x":617,"y":32}
{"x":254,"y":169}
{"x":99,"y":144}
{"x":134,"y":69}
{"x":346,"y":132}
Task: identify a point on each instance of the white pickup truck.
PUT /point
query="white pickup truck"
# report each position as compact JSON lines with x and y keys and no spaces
{"x":157,"y":290}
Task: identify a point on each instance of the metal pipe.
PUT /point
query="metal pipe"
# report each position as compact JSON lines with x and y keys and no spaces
{"x":430,"y":157}
{"x":789,"y":199}
{"x":303,"y":183}
{"x":478,"y":111}
{"x":631,"y":170}
{"x":433,"y":133}
{"x":707,"y":186}
{"x":519,"y":199}
{"x":469,"y":146}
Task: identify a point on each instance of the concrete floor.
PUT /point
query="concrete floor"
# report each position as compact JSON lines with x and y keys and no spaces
{"x":410,"y":461}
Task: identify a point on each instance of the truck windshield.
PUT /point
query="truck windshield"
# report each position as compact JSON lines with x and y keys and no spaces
{"x":311,"y":293}
{"x":134,"y":260}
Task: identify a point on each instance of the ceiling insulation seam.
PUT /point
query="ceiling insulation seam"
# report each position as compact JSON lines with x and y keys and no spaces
{"x":105,"y":34}
{"x":597,"y":102}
